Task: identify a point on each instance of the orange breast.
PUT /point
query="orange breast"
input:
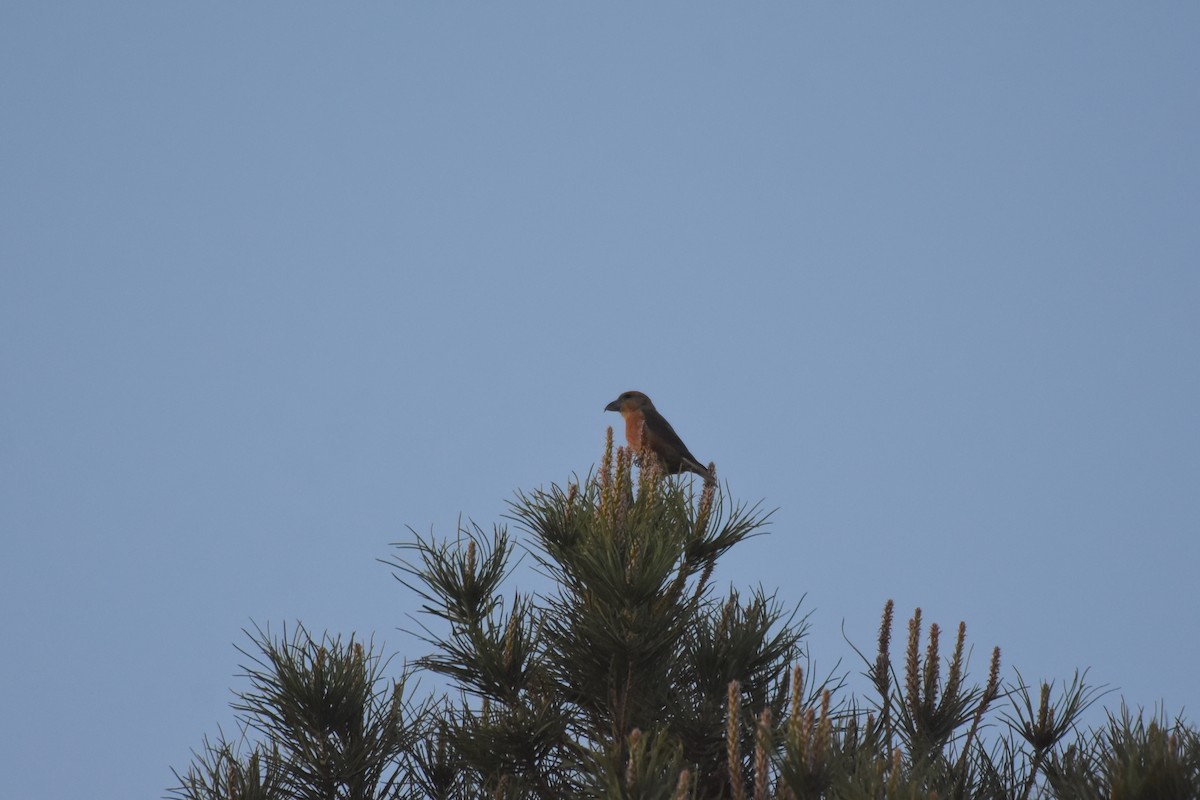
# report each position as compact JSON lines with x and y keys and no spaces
{"x":634,"y":423}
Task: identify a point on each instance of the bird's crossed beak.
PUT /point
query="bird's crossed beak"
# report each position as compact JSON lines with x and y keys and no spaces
{"x":615,"y":405}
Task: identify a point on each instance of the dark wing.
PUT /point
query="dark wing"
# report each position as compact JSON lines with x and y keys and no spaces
{"x":666,"y":442}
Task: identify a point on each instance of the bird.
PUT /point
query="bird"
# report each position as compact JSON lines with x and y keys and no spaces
{"x":645,"y":427}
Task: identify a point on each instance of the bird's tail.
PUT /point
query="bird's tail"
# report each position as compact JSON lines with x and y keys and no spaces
{"x":709,"y":473}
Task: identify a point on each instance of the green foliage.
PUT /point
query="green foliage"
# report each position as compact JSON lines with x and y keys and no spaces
{"x":1130,"y":759}
{"x":652,"y":768}
{"x":333,"y":726}
{"x":633,"y":678}
{"x":553,"y":688}
{"x":219,"y":772}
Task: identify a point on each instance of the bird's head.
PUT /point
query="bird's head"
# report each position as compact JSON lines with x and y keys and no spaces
{"x":629,"y":402}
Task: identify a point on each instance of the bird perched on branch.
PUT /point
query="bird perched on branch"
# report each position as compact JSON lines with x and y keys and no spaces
{"x":645,"y":427}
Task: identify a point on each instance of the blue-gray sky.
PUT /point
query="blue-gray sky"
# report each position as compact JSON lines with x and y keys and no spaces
{"x":280,"y":279}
